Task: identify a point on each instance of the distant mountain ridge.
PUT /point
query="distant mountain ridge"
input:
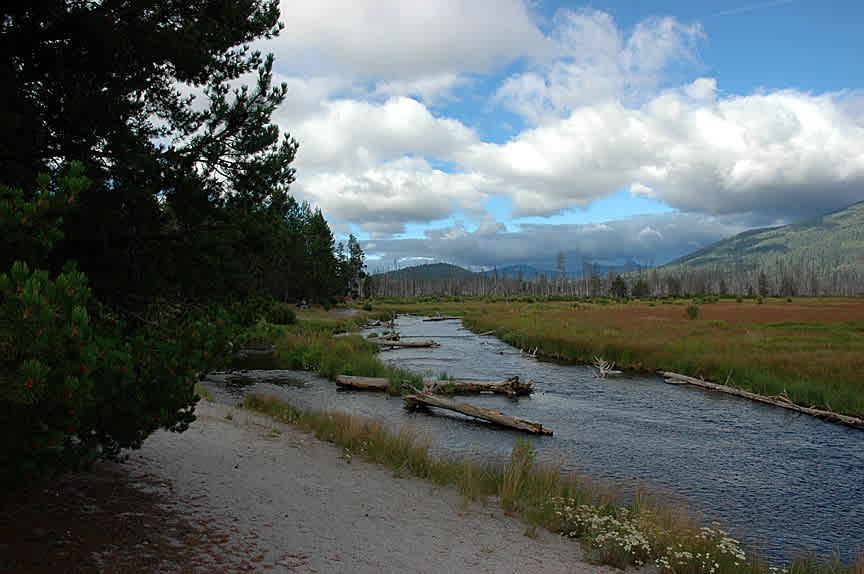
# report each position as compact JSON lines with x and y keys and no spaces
{"x":835,"y":239}
{"x":428,"y":272}
{"x":825,"y":244}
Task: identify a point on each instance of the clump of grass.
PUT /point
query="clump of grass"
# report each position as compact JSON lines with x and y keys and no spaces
{"x":513,"y":480}
{"x":310,"y":346}
{"x":692,"y":310}
{"x":203,"y":392}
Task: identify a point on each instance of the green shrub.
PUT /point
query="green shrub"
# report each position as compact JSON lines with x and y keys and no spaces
{"x":281,"y":313}
{"x":76,"y":387}
{"x":692,"y":310}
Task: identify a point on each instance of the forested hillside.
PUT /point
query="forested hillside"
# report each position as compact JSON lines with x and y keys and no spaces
{"x":820,"y":256}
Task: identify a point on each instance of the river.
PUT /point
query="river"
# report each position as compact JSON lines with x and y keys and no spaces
{"x":785,"y":484}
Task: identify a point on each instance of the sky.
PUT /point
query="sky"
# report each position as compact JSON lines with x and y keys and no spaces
{"x":495,"y":132}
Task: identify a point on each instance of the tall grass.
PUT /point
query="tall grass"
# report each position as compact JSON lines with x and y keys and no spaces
{"x":311,"y":346}
{"x":648,"y":529}
{"x":810,"y":350}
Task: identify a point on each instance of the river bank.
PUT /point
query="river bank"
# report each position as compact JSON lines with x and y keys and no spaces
{"x":239,"y":492}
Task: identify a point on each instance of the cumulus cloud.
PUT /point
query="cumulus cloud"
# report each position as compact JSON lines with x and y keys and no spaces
{"x":383,"y":198}
{"x":405,"y":40}
{"x":349,"y":133}
{"x":605,"y":110}
{"x":781,"y":152}
{"x":594,"y":63}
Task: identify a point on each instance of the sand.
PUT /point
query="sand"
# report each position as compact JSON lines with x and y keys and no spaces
{"x":242,"y":493}
{"x":279,"y":500}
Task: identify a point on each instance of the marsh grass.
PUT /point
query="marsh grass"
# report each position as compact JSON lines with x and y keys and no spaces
{"x":811,"y":350}
{"x":646,"y":528}
{"x":311,"y":346}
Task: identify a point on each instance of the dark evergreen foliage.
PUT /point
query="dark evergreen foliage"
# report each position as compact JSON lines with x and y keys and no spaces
{"x":176,"y":209}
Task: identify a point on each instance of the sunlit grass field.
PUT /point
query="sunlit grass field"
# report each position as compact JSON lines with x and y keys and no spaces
{"x":810,"y":349}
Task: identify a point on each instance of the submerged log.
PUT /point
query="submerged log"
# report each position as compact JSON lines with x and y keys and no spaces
{"x":511,"y":387}
{"x":779,"y":401}
{"x":419,"y":399}
{"x":388,"y":343}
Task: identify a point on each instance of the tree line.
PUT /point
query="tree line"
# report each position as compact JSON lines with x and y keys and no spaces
{"x":802,"y":276}
{"x":143,"y":227}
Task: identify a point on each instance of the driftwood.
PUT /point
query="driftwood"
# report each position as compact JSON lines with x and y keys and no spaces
{"x":420,"y":399}
{"x":779,"y":401}
{"x":511,"y":387}
{"x":362,"y":383}
{"x":604,"y":367}
{"x":485,"y":333}
{"x":441,"y":318}
{"x":388,"y":343}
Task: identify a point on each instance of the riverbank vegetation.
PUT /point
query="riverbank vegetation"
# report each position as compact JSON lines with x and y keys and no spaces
{"x":614,"y":529}
{"x":146,"y":219}
{"x":312,"y":345}
{"x":810,"y":350}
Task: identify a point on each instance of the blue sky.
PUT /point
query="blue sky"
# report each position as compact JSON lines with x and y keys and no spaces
{"x":498,"y":132}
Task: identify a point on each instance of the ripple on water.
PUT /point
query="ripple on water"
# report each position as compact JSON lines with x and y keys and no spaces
{"x":783,"y":482}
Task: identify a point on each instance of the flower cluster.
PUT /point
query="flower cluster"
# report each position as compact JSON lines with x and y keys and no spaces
{"x":615,"y":536}
{"x":611,"y":534}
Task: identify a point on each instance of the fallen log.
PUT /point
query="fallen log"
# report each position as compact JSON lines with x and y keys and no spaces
{"x":485,"y":333}
{"x":362,"y":383}
{"x":419,"y":399}
{"x":511,"y":387}
{"x":388,"y":343}
{"x":779,"y":401}
{"x":441,"y":318}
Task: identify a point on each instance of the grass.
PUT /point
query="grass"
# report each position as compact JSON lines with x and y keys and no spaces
{"x":812,"y":350}
{"x":647,"y":530}
{"x":311,"y":344}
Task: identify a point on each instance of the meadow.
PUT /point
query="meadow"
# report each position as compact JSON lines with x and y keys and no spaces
{"x":810,"y":350}
{"x":778,"y":340}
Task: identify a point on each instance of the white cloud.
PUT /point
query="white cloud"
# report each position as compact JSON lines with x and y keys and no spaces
{"x":782,"y":152}
{"x":608,"y":114}
{"x":405,"y":40}
{"x":594,"y":63}
{"x":349,"y":134}
{"x":430,"y":89}
{"x":383,"y":198}
{"x":639,"y":190}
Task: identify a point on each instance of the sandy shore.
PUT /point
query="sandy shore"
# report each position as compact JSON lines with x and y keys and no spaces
{"x":251,"y":495}
{"x":291,"y":502}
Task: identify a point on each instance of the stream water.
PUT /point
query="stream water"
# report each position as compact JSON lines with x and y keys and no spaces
{"x":783,"y":483}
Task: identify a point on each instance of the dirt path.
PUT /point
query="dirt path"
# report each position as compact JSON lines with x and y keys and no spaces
{"x":251,"y":495}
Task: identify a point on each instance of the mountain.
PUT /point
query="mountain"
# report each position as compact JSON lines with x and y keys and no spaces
{"x":834,"y":240}
{"x":429,"y":272}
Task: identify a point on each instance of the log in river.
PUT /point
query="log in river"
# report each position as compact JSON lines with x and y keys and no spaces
{"x":511,"y":387}
{"x":419,"y":399}
{"x":390,"y":343}
{"x":779,"y":401}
